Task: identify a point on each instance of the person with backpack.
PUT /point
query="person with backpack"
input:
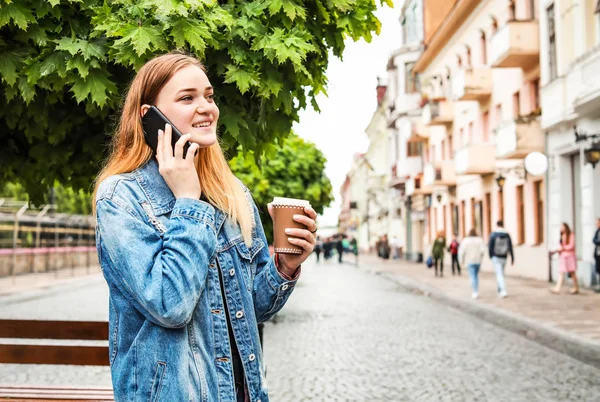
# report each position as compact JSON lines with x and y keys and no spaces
{"x":453,"y":249}
{"x":437,"y":251}
{"x":500,"y":247}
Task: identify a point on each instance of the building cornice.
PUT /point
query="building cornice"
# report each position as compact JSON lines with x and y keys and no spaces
{"x":455,"y":18}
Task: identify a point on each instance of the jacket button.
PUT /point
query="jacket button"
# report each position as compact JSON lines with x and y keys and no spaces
{"x":239,"y":314}
{"x":231,"y":272}
{"x":285,"y":287}
{"x":251,"y":357}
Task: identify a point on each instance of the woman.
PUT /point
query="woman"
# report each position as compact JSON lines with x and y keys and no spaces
{"x":183,"y":251}
{"x":568,"y":261}
{"x":470,"y":253}
{"x":437,"y":251}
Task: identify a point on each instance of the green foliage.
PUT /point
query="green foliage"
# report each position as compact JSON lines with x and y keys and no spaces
{"x":294,"y":170}
{"x":66,"y":199}
{"x":65,"y":64}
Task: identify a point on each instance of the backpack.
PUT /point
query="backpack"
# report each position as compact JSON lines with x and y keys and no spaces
{"x":501,"y":246}
{"x":429,"y":262}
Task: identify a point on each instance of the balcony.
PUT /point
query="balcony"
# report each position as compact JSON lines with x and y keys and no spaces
{"x":415,"y":186}
{"x":554,"y":103}
{"x":438,"y":113}
{"x":473,"y":84}
{"x":439,"y":174}
{"x":517,"y":44}
{"x":515,"y":139}
{"x":410,"y":166}
{"x":475,"y":159}
{"x":587,"y":98}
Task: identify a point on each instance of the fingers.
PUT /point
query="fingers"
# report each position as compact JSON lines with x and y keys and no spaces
{"x":306,"y":221}
{"x":270,"y":208}
{"x":301,"y":233}
{"x":191,"y":152}
{"x":167,"y":147}
{"x":311,"y":213}
{"x":307,"y":246}
{"x":179,"y":145}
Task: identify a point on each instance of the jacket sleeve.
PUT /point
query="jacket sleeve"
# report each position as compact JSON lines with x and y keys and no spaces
{"x":570,"y":246}
{"x":163,"y":277}
{"x":510,"y":248}
{"x":597,"y":238}
{"x":491,"y":245}
{"x":271,"y":289}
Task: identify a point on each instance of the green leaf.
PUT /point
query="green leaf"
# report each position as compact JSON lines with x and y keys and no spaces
{"x":191,"y":32}
{"x":54,"y":2}
{"x":143,"y":37}
{"x":18,"y":13}
{"x":293,"y":10}
{"x":10,"y":61}
{"x":78,"y":63}
{"x":87,"y":49}
{"x":96,"y":85}
{"x":54,"y":63}
{"x":243,"y":79}
{"x":27,"y":91}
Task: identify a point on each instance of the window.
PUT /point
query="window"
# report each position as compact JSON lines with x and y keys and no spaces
{"x":443,"y":144}
{"x":535,"y":94}
{"x":485,"y":125}
{"x":516,"y":104}
{"x":413,"y":149}
{"x":531,"y":9}
{"x":512,"y":12}
{"x":459,"y":61}
{"x":479,"y":217}
{"x":494,"y":25}
{"x":410,"y":80}
{"x":488,"y":215}
{"x":468,"y":56}
{"x":483,"y":48}
{"x":539,"y":212}
{"x":445,"y":211}
{"x":454,"y":212}
{"x":498,"y":114}
{"x":520,"y":215}
{"x":552,"y":43}
{"x":463,"y":233}
{"x":472,"y":208}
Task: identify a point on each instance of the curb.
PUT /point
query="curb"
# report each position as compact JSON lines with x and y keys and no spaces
{"x":557,"y":339}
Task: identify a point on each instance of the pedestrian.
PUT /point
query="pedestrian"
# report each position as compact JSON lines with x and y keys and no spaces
{"x":384,"y":248}
{"x":339,"y":246}
{"x":470,"y":253}
{"x":183,"y":250}
{"x":453,"y":249}
{"x":567,"y":259}
{"x":437,"y":252}
{"x":318,"y":248}
{"x":597,"y":248}
{"x":500,"y":247}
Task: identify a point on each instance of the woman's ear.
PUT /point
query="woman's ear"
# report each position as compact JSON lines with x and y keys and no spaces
{"x":144,"y":109}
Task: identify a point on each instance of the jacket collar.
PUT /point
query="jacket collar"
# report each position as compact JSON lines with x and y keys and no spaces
{"x":159,"y":194}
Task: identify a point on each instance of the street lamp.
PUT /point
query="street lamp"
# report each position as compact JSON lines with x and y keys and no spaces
{"x":500,"y":179}
{"x":592,"y":155}
{"x":439,"y":197}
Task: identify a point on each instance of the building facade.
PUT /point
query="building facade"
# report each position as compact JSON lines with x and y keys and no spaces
{"x":570,"y":80}
{"x":480,"y":75}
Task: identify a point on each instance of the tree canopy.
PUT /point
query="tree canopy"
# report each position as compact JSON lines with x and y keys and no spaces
{"x":297,"y":170}
{"x":65,"y":65}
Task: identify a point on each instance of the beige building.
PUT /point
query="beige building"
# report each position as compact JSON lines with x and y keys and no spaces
{"x":570,"y":77}
{"x":480,"y":74}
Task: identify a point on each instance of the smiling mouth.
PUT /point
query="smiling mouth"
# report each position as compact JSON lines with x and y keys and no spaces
{"x":202,"y":125}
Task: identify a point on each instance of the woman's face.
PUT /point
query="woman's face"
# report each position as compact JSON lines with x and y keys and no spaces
{"x":187,"y":100}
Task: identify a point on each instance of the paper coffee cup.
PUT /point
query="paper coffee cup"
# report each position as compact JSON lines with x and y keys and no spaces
{"x":284,"y":210}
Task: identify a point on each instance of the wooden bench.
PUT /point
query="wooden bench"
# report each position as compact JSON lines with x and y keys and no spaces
{"x":35,"y":353}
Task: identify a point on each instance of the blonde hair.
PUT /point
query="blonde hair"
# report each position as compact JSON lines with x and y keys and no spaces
{"x":129,"y":149}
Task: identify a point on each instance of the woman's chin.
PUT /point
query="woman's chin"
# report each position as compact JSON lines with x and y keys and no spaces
{"x":204,"y":140}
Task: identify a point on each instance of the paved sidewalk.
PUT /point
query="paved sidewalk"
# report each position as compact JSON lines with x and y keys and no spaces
{"x":40,"y":280}
{"x":568,"y":323}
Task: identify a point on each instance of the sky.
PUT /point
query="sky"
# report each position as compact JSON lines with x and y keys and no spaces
{"x":339,"y":129}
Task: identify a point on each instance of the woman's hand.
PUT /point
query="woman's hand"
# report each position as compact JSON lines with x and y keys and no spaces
{"x":289,"y":263}
{"x":179,"y":173}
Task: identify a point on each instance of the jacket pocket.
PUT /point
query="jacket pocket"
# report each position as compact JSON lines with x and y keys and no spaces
{"x":157,"y":383}
{"x":248,"y":257}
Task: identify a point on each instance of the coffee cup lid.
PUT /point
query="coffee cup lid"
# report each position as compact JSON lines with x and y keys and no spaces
{"x":290,"y":201}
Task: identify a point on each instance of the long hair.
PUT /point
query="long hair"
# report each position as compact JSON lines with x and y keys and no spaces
{"x":567,"y":233}
{"x":129,"y":149}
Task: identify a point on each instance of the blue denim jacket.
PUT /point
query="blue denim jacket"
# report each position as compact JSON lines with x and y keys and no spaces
{"x":168,"y":329}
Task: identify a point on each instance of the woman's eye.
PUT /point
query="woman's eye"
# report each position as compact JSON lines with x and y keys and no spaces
{"x":211,"y":97}
{"x":187,"y":98}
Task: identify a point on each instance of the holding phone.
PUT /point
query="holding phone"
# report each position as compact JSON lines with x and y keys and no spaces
{"x":153,"y":121}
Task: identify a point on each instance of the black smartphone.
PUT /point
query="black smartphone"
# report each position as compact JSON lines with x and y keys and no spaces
{"x":153,"y":121}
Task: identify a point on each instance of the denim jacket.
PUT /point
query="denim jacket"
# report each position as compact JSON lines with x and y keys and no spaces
{"x":168,"y":337}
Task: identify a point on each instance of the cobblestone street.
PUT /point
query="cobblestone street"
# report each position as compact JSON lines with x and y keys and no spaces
{"x":350,"y":335}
